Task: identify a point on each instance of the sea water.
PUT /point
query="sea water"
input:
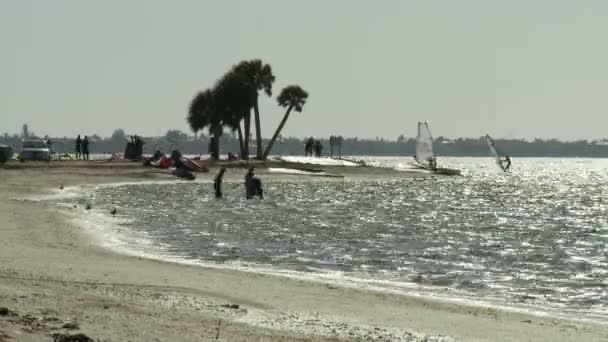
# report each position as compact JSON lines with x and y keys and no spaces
{"x":533,"y":239}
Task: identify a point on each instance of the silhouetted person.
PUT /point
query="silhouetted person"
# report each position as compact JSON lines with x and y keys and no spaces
{"x":176,"y":157}
{"x":78,"y":146}
{"x":253,"y":185}
{"x":308,"y":147}
{"x":217,"y":183}
{"x":85,"y":148}
{"x":508,"y":161}
{"x":318,"y":148}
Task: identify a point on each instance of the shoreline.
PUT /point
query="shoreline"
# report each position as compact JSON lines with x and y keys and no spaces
{"x":42,"y":252}
{"x":422,"y":290}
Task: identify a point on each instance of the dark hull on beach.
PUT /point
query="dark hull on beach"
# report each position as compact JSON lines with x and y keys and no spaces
{"x":185,"y":174}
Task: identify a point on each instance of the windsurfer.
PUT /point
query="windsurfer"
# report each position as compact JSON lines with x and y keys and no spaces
{"x":507,"y":160}
{"x":432,"y":163}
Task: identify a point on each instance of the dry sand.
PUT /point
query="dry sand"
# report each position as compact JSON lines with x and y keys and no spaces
{"x":54,"y":279}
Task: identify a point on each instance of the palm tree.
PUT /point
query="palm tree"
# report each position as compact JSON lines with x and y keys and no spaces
{"x":233,"y":121}
{"x":231,"y":101}
{"x":232,"y":105}
{"x":257,"y":77}
{"x":294,"y":98}
{"x":203,"y":113}
{"x":198,"y":113}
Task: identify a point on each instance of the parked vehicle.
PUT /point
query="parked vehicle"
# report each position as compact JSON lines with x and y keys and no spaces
{"x":35,"y":150}
{"x":6,"y":153}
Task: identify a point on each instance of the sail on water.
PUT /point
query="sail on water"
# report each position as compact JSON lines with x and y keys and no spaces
{"x":424,"y":143}
{"x":495,"y":152}
{"x":425,"y":158}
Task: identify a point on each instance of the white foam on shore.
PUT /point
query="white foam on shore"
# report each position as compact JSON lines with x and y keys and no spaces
{"x":298,"y":172}
{"x":318,"y":161}
{"x":115,"y":235}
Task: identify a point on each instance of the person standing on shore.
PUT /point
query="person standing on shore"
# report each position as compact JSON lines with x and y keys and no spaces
{"x":78,"y":147}
{"x":217,"y":183}
{"x":85,"y":148}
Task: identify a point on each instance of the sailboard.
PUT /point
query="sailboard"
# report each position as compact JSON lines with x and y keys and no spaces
{"x":495,"y":152}
{"x":424,"y":143}
{"x":424,"y":152}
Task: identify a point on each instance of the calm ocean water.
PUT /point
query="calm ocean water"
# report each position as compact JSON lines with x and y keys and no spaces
{"x":533,"y":239}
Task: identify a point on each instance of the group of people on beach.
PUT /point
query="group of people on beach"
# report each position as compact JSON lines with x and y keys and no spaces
{"x":82,"y":148}
{"x":253,"y":185}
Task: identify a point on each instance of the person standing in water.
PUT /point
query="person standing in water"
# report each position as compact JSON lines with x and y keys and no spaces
{"x":253,"y":185}
{"x":217,"y":183}
{"x":249,"y":183}
{"x":85,"y":148}
{"x":78,"y":147}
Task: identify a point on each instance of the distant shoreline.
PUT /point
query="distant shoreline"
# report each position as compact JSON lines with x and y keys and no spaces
{"x":443,"y":147}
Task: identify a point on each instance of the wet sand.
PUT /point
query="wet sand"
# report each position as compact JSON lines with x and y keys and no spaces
{"x":55,"y":279}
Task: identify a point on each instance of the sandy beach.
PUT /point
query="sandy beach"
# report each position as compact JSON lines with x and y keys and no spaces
{"x":55,"y":279}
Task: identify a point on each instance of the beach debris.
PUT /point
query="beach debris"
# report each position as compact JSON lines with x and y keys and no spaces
{"x":71,"y":326}
{"x":231,"y":306}
{"x":219,"y":327}
{"x":7,"y":312}
{"x":4,"y":337}
{"x":51,"y":319}
{"x":113,"y":212}
{"x":71,"y":338}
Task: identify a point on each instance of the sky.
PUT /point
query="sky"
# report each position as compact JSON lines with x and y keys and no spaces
{"x":513,"y":69}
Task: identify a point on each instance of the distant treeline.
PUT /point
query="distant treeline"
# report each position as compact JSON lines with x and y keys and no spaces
{"x":469,"y":147}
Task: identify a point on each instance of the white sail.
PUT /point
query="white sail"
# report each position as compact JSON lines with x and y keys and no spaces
{"x":424,"y":143}
{"x":495,"y":153}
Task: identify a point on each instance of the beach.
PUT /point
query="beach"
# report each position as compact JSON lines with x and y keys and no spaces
{"x":55,"y":278}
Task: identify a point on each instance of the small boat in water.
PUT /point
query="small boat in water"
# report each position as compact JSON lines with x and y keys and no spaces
{"x":425,"y":158}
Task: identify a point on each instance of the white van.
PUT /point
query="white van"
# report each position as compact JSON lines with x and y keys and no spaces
{"x":35,"y":150}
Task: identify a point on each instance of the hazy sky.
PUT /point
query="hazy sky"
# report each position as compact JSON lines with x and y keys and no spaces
{"x":372,"y":68}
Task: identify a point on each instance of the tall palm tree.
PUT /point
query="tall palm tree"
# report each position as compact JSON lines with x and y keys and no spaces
{"x":257,"y":77}
{"x":232,"y":105}
{"x":198,"y":113}
{"x":232,"y":120}
{"x":203,"y":113}
{"x":293,"y":97}
{"x":231,"y":101}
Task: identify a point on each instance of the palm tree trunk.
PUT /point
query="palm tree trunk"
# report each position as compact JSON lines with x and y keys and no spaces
{"x":258,"y":129}
{"x":217,"y":133}
{"x":276,"y":133}
{"x":241,"y":148}
{"x":247,"y":125}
